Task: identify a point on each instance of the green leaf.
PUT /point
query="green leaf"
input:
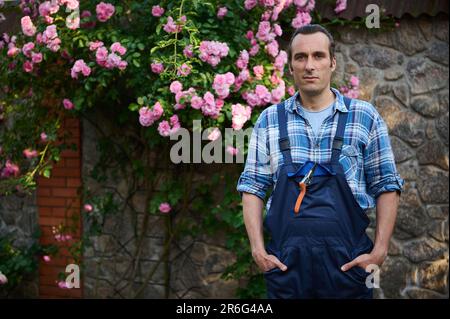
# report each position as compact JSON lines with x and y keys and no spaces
{"x":140,"y":100}
{"x":136,"y":63}
{"x":46,"y":173}
{"x":141,"y":46}
{"x":133,"y":107}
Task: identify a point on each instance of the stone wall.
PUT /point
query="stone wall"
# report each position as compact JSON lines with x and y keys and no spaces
{"x":113,"y":269}
{"x":18,"y":216}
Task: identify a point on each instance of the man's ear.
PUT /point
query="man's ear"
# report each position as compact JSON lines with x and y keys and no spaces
{"x":333,"y":64}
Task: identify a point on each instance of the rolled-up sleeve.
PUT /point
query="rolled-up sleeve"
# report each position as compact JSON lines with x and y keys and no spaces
{"x":257,"y":178}
{"x":379,"y":163}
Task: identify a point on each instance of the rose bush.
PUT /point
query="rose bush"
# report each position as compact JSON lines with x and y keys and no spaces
{"x":159,"y":66}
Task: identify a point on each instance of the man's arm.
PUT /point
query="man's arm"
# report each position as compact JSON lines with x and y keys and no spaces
{"x":387,"y":205}
{"x":253,"y":219}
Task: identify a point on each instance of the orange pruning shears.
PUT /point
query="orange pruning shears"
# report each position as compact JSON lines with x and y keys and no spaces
{"x":303,"y":184}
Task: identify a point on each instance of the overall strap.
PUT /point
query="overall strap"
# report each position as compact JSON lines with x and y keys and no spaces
{"x":338,"y":140}
{"x":283,"y":141}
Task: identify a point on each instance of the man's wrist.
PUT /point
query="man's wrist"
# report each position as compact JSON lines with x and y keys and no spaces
{"x":380,"y":252}
{"x":258,"y":251}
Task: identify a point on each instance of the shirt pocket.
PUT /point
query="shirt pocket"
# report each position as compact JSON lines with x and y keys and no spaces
{"x":349,"y":159}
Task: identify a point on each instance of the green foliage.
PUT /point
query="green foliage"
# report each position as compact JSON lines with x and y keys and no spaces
{"x":19,"y":263}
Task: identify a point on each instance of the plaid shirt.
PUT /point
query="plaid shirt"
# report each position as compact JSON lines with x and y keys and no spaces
{"x":366,"y":156}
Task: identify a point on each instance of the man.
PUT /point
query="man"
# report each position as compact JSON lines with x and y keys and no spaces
{"x":328,"y":160}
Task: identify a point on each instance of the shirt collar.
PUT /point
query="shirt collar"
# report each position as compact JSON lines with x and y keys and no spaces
{"x":293,"y":103}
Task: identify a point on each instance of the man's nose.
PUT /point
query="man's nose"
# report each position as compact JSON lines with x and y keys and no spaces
{"x":309,"y":64}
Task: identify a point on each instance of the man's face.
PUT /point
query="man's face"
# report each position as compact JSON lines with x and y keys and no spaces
{"x":311,"y":65}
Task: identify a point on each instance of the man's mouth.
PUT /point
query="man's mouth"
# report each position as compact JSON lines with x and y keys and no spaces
{"x":310,"y":78}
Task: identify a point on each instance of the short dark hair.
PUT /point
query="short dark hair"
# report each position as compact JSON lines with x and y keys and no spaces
{"x":309,"y":29}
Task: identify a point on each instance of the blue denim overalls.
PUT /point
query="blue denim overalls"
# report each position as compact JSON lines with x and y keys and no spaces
{"x":328,"y":231}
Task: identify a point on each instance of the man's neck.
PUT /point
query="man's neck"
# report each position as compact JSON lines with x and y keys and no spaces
{"x":316,"y":103}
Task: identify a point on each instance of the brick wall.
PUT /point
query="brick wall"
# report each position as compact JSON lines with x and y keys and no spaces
{"x":58,"y":202}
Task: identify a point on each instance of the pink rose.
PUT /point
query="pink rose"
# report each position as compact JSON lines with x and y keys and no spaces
{"x":148,"y":116}
{"x":165,"y":207}
{"x":259,"y":71}
{"x":278,"y":93}
{"x":28,"y":66}
{"x":164,"y":128}
{"x":264,"y":33}
{"x":145,"y":116}
{"x":232,"y":150}
{"x":280,"y":61}
{"x":171,"y":26}
{"x":240,"y":115}
{"x":36,"y":57}
{"x":184,"y":70}
{"x":302,"y":18}
{"x":27,"y":48}
{"x":13,"y":51}
{"x":254,"y":50}
{"x":112,"y":61}
{"x":263,"y":93}
{"x":101,"y":55}
{"x":272,"y":48}
{"x":122,"y":65}
{"x":73,"y":22}
{"x":354,"y":81}
{"x":175,"y":87}
{"x":71,"y":4}
{"x":277,"y":29}
{"x":95,"y":45}
{"x":117,"y":47}
{"x":3,"y":279}
{"x":250,"y":4}
{"x":27,"y":26}
{"x":341,"y":5}
{"x":104,"y":11}
{"x":68,"y":105}
{"x":88,"y":208}
{"x":43,"y":137}
{"x":10,"y":169}
{"x":188,"y":52}
{"x":157,"y":67}
{"x":214,"y":135}
{"x":28,"y":153}
{"x":62,"y":284}
{"x":175,"y":123}
{"x":46,"y":258}
{"x":305,"y":5}
{"x":196,"y":102}
{"x":291,"y":90}
{"x":157,"y":11}
{"x":222,"y":12}
{"x":243,"y":59}
{"x":212,"y":52}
